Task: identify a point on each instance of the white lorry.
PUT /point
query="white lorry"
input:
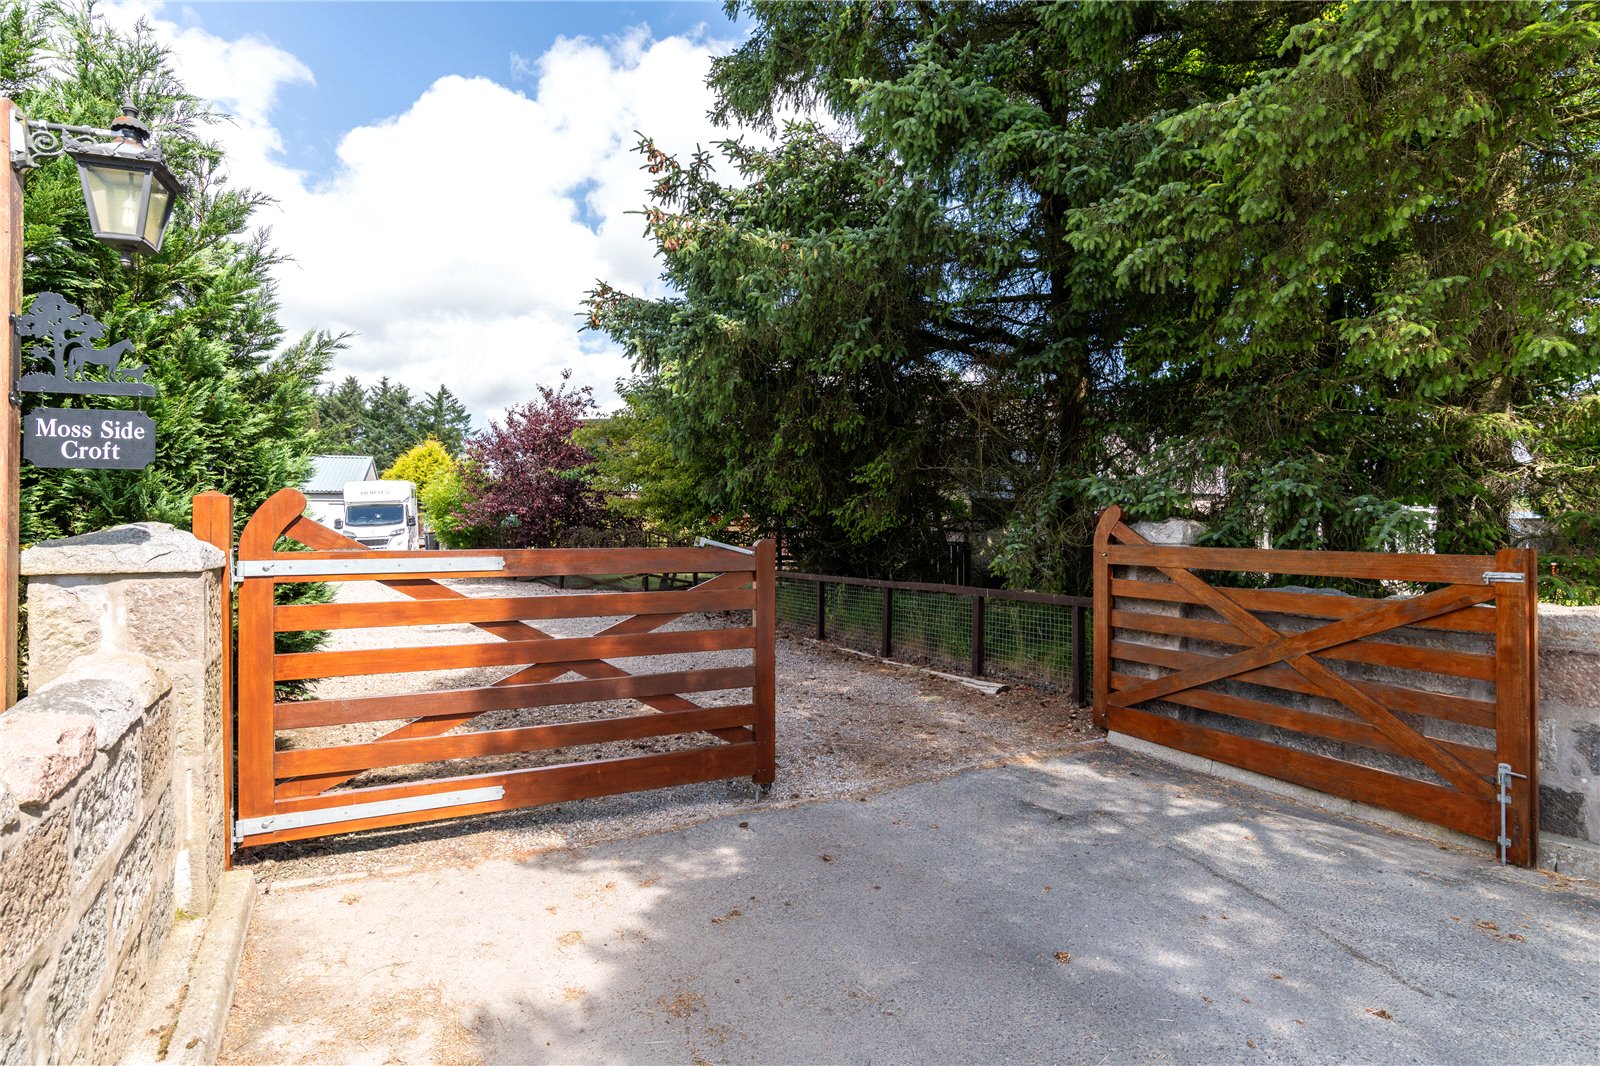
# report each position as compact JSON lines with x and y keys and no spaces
{"x":381,"y":514}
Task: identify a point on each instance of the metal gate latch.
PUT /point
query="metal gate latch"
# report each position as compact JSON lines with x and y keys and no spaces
{"x":1502,"y":777}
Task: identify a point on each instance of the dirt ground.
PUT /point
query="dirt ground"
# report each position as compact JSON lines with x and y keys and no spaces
{"x":845,"y":725}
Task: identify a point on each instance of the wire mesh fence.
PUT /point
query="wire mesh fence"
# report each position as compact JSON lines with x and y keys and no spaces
{"x":797,"y":603}
{"x":1025,"y":636}
{"x":1029,"y":641}
{"x":853,"y":616}
{"x":933,"y":628}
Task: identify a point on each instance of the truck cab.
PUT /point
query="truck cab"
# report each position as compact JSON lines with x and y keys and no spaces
{"x":381,"y":515}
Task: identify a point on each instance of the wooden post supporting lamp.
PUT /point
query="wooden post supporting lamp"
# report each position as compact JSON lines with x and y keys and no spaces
{"x":129,"y":194}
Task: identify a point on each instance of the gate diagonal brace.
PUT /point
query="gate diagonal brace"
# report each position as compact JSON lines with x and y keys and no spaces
{"x":1298,"y":650}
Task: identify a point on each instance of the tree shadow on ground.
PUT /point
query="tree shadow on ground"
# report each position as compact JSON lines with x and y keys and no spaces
{"x":1103,"y":907}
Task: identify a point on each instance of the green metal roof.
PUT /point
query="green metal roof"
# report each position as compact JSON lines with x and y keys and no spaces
{"x":329,"y":473}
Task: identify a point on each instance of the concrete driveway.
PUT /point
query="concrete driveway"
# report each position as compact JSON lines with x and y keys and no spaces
{"x":1101,"y":907}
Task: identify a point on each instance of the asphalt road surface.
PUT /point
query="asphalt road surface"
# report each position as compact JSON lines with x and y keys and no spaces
{"x":1095,"y":907}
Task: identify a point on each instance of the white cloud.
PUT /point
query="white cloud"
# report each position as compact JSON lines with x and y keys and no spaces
{"x":451,"y":237}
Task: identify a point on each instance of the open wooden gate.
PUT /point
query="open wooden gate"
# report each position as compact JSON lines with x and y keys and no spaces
{"x":1436,"y":722}
{"x":298,"y":790}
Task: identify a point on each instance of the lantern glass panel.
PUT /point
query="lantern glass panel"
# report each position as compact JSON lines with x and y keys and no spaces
{"x":156,"y":216}
{"x":115,"y":193}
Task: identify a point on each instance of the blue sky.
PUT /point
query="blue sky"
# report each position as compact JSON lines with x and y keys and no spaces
{"x":372,"y":59}
{"x":451,"y":178}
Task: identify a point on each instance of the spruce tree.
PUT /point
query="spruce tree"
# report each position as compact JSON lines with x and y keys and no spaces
{"x":342,"y":418}
{"x":392,"y":422}
{"x":444,"y":418}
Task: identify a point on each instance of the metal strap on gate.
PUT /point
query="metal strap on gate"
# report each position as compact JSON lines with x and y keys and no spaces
{"x":408,"y":564}
{"x":707,"y":542}
{"x":274,"y":823}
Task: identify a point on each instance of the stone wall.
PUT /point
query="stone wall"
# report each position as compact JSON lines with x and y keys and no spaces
{"x":1568,"y":713}
{"x":150,"y":590}
{"x":1569,"y":737}
{"x":111,"y":805}
{"x":87,"y":858}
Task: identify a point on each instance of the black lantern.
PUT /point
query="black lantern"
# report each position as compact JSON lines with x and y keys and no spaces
{"x":129,"y":191}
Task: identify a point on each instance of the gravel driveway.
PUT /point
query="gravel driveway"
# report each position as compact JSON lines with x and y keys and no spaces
{"x":845,"y":725}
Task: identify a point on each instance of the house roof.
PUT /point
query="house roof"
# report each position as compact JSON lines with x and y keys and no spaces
{"x":329,"y":473}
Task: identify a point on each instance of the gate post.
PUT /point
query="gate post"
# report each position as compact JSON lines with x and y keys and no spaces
{"x":213,"y":523}
{"x":1102,"y":610}
{"x":765,"y":691}
{"x":1515,"y":695}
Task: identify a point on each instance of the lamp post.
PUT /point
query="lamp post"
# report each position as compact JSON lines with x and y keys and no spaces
{"x":129,"y":194}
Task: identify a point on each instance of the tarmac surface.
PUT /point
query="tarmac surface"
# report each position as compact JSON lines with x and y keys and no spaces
{"x":1097,"y":907}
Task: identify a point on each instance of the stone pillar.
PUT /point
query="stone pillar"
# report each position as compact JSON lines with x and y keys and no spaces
{"x":1174,"y":532}
{"x":1569,"y":739}
{"x":148,"y":590}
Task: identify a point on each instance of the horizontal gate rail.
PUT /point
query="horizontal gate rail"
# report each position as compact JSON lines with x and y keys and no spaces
{"x":1451,"y":569}
{"x":508,"y":741}
{"x":296,"y":617}
{"x":467,"y":703}
{"x":302,"y":665}
{"x":1334,"y":692}
{"x":1406,"y":700}
{"x":1481,"y":760}
{"x":1478,"y":619}
{"x":329,"y":815}
{"x":319,"y":569}
{"x":522,"y":562}
{"x":736,"y":739}
{"x":527,"y":788}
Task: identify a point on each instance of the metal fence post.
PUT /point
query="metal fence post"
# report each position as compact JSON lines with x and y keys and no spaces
{"x":977,"y":636}
{"x":886,"y":643}
{"x":822,"y":610}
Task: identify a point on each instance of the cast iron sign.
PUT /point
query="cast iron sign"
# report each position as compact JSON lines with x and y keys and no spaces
{"x":89,"y":440}
{"x":67,"y":362}
{"x":71,"y":353}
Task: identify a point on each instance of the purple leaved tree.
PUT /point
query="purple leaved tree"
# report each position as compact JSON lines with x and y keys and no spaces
{"x":525,"y":477}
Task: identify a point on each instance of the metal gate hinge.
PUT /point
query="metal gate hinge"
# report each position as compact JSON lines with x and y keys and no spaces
{"x":1491,"y":576}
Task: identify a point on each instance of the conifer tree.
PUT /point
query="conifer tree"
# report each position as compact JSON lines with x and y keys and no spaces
{"x":342,"y":418}
{"x":1319,"y":274}
{"x":443,"y":417}
{"x":236,"y":402}
{"x":392,"y":423}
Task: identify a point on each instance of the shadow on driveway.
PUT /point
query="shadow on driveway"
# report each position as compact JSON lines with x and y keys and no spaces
{"x":1102,"y":907}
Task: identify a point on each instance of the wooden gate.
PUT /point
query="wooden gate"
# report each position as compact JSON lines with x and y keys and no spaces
{"x":290,"y":789}
{"x":1436,"y":722}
